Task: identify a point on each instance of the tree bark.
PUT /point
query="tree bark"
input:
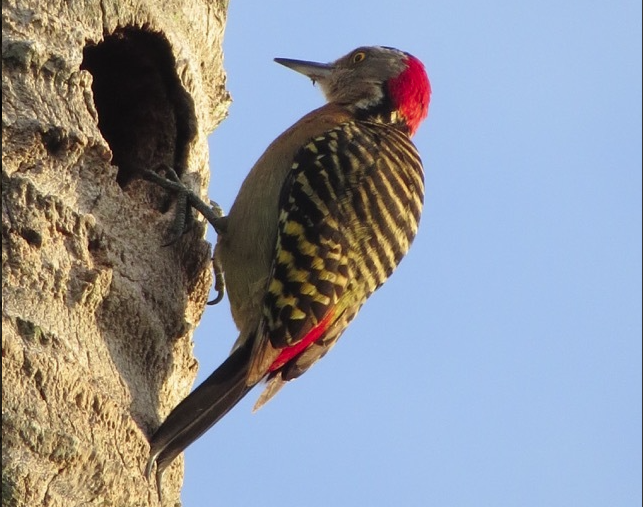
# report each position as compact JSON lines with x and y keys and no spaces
{"x":97,"y":314}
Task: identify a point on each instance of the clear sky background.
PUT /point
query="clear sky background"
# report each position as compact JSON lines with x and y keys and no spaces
{"x":501,"y":364}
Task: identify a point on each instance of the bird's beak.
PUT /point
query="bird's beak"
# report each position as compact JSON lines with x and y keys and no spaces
{"x":313,"y":70}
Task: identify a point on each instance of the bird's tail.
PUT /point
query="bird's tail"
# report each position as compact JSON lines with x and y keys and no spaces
{"x":199,"y":411}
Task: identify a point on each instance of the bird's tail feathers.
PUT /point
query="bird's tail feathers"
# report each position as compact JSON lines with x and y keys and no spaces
{"x":199,"y":411}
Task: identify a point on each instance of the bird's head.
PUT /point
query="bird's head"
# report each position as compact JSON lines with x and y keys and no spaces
{"x":373,"y":82}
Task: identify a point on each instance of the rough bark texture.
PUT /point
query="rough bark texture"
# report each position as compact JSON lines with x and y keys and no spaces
{"x":97,"y":316}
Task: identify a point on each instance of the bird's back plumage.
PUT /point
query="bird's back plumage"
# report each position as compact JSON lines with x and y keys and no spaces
{"x":349,"y":213}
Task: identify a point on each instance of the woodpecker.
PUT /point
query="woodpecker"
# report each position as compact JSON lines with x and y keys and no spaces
{"x":320,"y":222}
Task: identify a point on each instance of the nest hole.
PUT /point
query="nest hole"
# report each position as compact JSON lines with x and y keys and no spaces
{"x":144,"y":113}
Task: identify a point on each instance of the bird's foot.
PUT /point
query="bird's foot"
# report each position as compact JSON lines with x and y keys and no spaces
{"x":186,"y":200}
{"x":219,"y":282}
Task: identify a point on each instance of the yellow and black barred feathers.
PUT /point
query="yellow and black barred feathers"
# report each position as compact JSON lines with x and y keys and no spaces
{"x":348,"y":214}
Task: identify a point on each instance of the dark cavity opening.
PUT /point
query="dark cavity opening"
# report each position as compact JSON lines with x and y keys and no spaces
{"x":144,"y":113}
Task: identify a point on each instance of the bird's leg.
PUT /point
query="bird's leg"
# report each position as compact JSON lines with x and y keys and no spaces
{"x":186,"y":200}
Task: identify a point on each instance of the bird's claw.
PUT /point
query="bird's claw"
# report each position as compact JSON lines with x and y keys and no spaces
{"x":219,"y":282}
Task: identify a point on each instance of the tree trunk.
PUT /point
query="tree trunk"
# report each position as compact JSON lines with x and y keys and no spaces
{"x":97,"y":314}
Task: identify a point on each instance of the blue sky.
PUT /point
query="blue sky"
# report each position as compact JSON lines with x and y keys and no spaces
{"x":501,"y":364}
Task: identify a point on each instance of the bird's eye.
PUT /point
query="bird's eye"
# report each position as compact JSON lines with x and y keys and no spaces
{"x":358,"y":57}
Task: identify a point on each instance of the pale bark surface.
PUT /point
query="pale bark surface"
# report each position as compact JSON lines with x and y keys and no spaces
{"x":97,"y":316}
